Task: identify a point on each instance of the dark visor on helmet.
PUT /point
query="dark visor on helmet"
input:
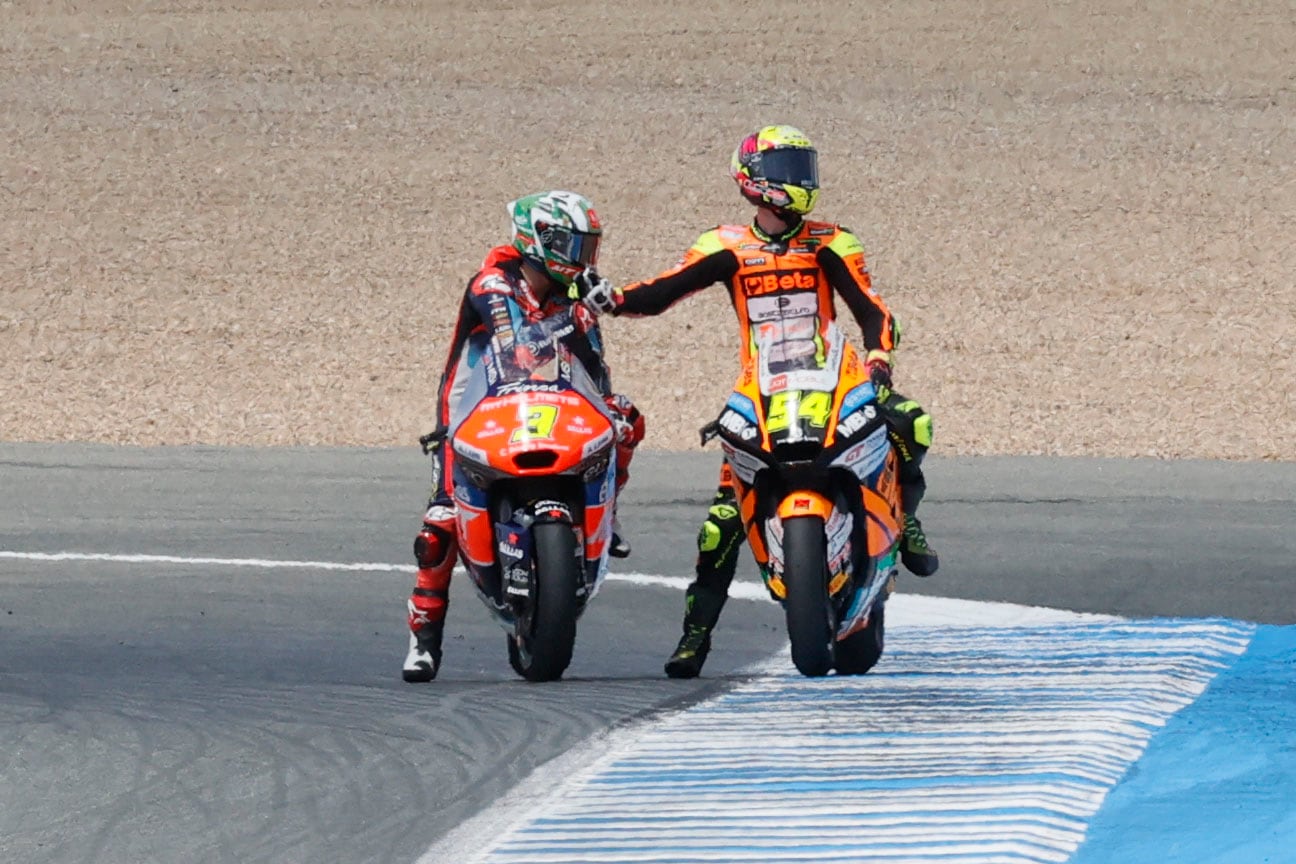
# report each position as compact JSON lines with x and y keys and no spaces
{"x":574,"y":246}
{"x":791,"y":165}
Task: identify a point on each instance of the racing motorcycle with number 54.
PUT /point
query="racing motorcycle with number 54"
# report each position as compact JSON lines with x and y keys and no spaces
{"x":817,"y":483}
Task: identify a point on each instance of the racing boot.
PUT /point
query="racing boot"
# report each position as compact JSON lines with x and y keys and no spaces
{"x":424,"y":657}
{"x":915,"y":553}
{"x":918,"y":557}
{"x":701,"y":611}
{"x":620,"y":547}
{"x":434,"y":550}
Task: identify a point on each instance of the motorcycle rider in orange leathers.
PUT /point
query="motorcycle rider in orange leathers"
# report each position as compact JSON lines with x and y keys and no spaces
{"x":776,"y":169}
{"x":518,"y":300}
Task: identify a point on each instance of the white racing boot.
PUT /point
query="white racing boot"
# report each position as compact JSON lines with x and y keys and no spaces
{"x":424,"y":657}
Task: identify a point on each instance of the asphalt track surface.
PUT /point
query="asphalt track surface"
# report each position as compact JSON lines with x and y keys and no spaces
{"x":213,"y":712}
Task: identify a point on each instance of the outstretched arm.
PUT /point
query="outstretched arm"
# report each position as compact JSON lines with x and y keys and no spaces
{"x":707,"y":262}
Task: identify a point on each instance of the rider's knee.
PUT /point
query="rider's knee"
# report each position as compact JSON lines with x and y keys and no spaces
{"x":910,"y":428}
{"x":435,"y":542}
{"x":721,"y":524}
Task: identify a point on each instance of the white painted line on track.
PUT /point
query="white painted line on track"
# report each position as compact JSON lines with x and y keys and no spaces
{"x":742,"y":590}
{"x":918,"y":609}
{"x":199,"y":562}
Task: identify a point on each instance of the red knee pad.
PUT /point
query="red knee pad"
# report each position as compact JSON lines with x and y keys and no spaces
{"x":432,"y":547}
{"x":435,"y":549}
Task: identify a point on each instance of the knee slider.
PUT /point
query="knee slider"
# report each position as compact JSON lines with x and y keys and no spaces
{"x":708,"y":537}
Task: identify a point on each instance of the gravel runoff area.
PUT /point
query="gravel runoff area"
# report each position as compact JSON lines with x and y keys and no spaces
{"x":251,"y":223}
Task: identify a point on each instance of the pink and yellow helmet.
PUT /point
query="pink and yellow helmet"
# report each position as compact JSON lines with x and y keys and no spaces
{"x":778,"y":168}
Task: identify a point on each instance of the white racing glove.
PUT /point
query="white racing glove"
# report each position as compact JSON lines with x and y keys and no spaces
{"x":595,"y":292}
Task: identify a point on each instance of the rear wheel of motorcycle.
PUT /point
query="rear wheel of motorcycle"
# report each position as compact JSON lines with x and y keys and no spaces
{"x":543,"y":653}
{"x":860,"y":651}
{"x":809,"y":613}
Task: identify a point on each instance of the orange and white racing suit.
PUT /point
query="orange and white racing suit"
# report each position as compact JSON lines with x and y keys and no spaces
{"x":815,"y":258}
{"x":812,"y":265}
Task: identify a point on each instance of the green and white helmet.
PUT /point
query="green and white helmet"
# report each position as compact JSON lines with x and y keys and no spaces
{"x":557,"y":231}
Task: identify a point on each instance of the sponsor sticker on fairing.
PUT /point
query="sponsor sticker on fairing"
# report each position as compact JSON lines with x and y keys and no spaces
{"x":518,"y":387}
{"x":742,"y":405}
{"x":743,"y":464}
{"x":490,"y":429}
{"x":865,"y":457}
{"x":838,"y":530}
{"x":466,"y":450}
{"x":519,"y":582}
{"x":736,"y":424}
{"x":594,"y":445}
{"x":858,"y":395}
{"x":850,"y":425}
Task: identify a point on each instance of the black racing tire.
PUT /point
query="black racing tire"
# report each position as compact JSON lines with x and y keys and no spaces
{"x":860,"y":651}
{"x":808,"y":608}
{"x":543,"y":653}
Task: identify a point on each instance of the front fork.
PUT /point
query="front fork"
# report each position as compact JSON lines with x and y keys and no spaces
{"x":798,"y":503}
{"x":515,"y":546}
{"x":848,"y":570}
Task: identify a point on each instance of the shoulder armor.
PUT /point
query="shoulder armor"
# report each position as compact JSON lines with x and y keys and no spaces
{"x":846,"y":243}
{"x":714,"y":240}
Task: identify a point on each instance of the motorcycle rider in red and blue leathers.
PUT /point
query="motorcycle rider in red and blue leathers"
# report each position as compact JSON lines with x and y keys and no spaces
{"x":516,"y":302}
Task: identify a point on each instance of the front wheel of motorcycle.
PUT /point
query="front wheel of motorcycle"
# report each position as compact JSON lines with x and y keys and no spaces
{"x":545,"y":650}
{"x":860,"y":651}
{"x":808,"y":607}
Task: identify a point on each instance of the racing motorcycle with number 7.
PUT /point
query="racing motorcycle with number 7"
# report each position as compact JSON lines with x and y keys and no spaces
{"x":817,"y":483}
{"x":535,"y":484}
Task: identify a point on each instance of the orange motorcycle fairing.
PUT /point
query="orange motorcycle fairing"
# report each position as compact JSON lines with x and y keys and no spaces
{"x":476,"y":533}
{"x":535,"y":485}
{"x":534,"y":432}
{"x":806,"y":445}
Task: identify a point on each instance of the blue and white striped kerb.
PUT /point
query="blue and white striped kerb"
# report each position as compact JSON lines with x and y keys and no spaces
{"x":992,"y":745}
